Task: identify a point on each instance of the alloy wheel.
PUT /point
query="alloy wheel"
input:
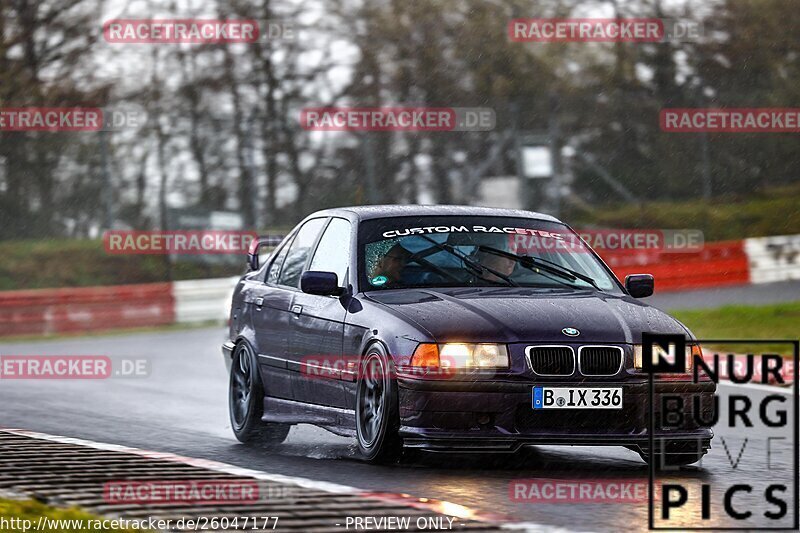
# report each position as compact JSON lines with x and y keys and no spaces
{"x":372,"y":400}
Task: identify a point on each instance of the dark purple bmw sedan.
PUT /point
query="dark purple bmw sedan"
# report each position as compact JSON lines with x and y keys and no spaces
{"x":451,"y":328}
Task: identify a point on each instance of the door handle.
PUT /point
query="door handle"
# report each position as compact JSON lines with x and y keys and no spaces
{"x":259,"y":302}
{"x":297,"y":309}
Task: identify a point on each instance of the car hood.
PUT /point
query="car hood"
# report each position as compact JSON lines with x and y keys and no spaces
{"x":527,"y":315}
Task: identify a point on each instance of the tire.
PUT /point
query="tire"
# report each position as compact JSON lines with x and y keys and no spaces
{"x":246,"y":401}
{"x":377,"y":414}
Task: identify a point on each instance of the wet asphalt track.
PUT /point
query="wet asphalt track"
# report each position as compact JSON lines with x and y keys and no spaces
{"x":181,"y":408}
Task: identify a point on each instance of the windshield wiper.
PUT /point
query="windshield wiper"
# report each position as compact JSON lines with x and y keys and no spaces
{"x":471,"y":264}
{"x":534,"y":263}
{"x":430,"y":266}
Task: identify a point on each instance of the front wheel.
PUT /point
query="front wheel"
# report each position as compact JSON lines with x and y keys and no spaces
{"x":246,"y":401}
{"x":377,"y":416}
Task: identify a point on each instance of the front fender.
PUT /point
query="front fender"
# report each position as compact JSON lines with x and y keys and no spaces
{"x":247,"y":335}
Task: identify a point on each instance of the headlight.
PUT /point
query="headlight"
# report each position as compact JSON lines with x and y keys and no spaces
{"x":461,"y":356}
{"x":692,"y":351}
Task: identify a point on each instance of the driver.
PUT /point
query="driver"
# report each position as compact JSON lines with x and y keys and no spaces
{"x":389,"y":269}
{"x":498,"y":263}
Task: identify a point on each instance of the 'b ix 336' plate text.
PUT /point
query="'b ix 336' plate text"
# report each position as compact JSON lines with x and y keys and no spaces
{"x":577,"y":397}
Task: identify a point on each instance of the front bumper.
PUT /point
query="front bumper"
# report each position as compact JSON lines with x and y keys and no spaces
{"x":498,"y":416}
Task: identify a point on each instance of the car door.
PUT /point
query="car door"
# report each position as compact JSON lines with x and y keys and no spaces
{"x":271,"y":310}
{"x":316,"y":340}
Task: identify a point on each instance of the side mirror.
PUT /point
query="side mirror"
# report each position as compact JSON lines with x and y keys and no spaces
{"x":252,"y":255}
{"x":640,"y":285}
{"x":321,"y":283}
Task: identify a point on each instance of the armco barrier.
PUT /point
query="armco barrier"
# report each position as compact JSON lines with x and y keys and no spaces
{"x":203,"y":300}
{"x":716,"y":264}
{"x":773,"y":258}
{"x":47,"y":311}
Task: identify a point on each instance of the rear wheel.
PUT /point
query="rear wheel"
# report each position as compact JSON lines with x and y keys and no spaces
{"x":377,"y":416}
{"x":246,"y":401}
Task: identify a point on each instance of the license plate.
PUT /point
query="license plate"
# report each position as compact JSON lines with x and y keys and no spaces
{"x":577,"y":397}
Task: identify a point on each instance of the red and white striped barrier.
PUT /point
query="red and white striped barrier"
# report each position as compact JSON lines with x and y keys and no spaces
{"x":84,"y":309}
{"x":716,"y":264}
{"x":773,"y":258}
{"x":47,"y":311}
{"x":755,"y":260}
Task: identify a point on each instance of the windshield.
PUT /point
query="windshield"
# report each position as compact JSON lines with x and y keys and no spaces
{"x":408,"y":252}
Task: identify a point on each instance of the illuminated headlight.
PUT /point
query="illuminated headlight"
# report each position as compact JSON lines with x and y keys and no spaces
{"x":462,"y":356}
{"x":692,"y":351}
{"x":475,"y":356}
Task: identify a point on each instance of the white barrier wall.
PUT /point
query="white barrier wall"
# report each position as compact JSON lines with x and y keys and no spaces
{"x":773,"y":258}
{"x":203,"y":300}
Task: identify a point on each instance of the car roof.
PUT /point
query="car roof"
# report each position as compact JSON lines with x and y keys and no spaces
{"x":368,"y":212}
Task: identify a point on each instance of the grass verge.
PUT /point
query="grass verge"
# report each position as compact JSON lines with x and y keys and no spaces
{"x":770,"y":212}
{"x":776,"y":321}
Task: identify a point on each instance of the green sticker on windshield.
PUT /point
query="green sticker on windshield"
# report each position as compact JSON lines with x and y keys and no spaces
{"x":379,"y":280}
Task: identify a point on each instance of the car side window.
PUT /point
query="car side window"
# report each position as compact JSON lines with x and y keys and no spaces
{"x":297,"y":254}
{"x":275,"y":267}
{"x":333,"y":250}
